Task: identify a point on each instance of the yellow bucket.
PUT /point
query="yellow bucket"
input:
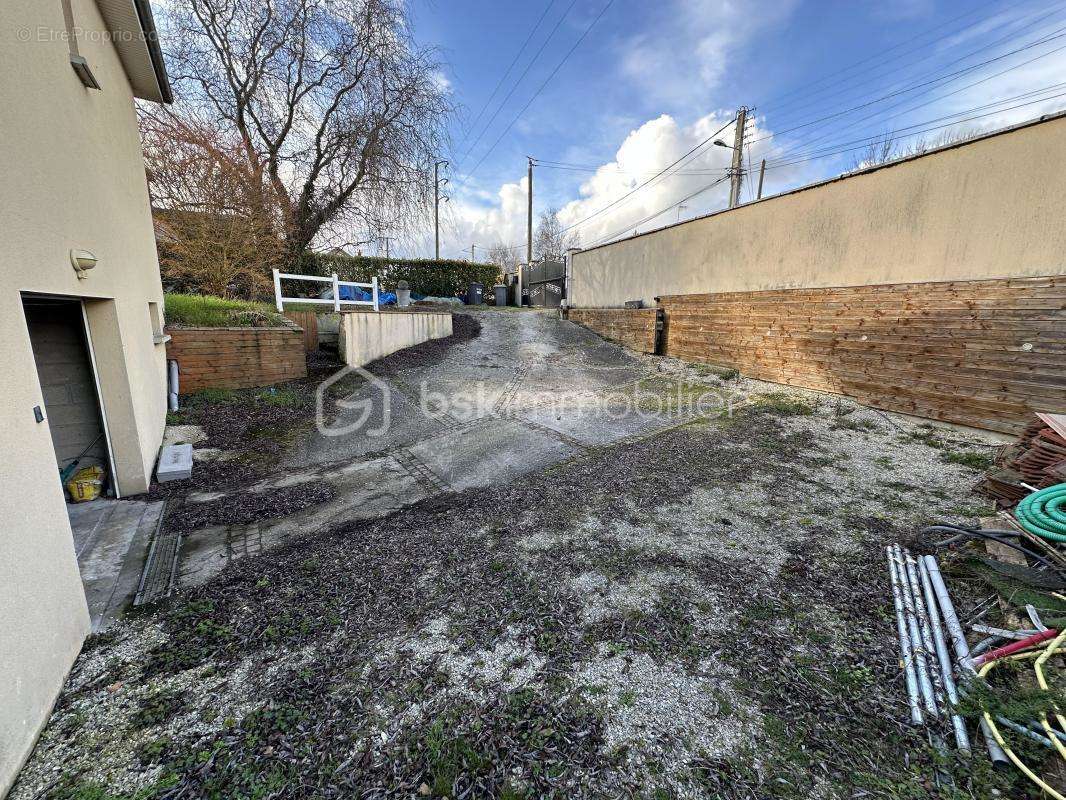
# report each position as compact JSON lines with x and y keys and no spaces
{"x":86,"y":484}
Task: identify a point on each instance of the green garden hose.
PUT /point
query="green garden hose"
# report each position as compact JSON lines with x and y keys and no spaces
{"x":1043,"y":513}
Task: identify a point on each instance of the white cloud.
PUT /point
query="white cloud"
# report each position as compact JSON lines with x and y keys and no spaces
{"x":702,"y":36}
{"x":645,"y":151}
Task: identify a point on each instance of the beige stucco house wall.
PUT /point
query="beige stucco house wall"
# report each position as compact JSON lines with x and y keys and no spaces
{"x":982,"y":209}
{"x":73,"y":177}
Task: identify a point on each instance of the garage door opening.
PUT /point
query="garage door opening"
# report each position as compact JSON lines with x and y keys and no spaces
{"x":111,"y":537}
{"x":68,"y":382}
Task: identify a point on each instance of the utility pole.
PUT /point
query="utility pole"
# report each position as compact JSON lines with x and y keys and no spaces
{"x":529,"y":217}
{"x":762,"y":174}
{"x":386,"y":239}
{"x":472,"y":252}
{"x":681,"y":207}
{"x":736,"y":172}
{"x":436,"y":206}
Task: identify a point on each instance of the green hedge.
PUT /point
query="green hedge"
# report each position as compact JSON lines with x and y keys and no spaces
{"x":442,"y":278}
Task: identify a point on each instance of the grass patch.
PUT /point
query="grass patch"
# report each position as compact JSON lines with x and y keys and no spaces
{"x":158,"y":707}
{"x":725,"y":373}
{"x":782,"y":404}
{"x":275,"y":396}
{"x":969,"y":458}
{"x":845,"y":424}
{"x":210,"y":397}
{"x":205,"y":311}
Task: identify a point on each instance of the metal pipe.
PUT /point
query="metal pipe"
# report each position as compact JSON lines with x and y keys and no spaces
{"x":906,"y":656}
{"x":1001,"y":633}
{"x":962,"y":650}
{"x":1014,"y":726}
{"x":962,"y":738}
{"x":925,"y":683}
{"x":1015,"y":647}
{"x":925,"y":627}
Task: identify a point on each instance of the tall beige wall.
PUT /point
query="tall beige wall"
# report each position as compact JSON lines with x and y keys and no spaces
{"x":72,"y":178}
{"x":986,"y":209}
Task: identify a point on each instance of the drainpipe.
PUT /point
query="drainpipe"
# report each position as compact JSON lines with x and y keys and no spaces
{"x":172,"y":394}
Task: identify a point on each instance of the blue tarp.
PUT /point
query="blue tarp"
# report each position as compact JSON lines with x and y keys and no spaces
{"x":355,"y":293}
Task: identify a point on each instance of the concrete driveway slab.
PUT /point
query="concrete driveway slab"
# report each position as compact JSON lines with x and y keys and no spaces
{"x":494,"y":451}
{"x":599,"y":426}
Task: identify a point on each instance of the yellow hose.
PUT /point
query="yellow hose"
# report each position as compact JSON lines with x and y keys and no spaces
{"x":1003,"y":742}
{"x":1038,"y":667}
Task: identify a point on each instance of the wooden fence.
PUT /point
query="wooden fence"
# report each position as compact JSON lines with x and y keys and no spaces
{"x":308,"y":320}
{"x":634,"y":328}
{"x":982,"y":353}
{"x":235,"y":358}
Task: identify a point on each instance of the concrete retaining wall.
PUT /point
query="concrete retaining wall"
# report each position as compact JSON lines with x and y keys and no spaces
{"x":366,"y":336}
{"x":976,"y":210}
{"x":236,"y":358}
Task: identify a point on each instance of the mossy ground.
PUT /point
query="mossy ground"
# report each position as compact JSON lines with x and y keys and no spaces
{"x":532,"y":639}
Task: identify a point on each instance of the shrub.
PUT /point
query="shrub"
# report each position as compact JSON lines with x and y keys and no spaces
{"x":205,"y":311}
{"x":444,"y":278}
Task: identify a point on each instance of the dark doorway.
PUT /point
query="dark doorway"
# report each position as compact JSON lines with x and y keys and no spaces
{"x":68,"y":384}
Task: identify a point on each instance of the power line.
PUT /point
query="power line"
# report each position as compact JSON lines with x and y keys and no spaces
{"x":818,"y":154}
{"x":633,"y":191}
{"x":541,"y":88}
{"x":954,"y":92}
{"x":569,"y":168}
{"x":1050,"y":38}
{"x":944,"y":78}
{"x":661,"y":211}
{"x":1037,"y":18}
{"x":517,"y":83}
{"x":503,"y":78}
{"x":806,"y":89}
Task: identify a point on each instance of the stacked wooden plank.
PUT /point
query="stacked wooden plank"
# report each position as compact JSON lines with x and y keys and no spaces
{"x":235,"y":358}
{"x":983,"y":353}
{"x":308,"y":320}
{"x":634,"y":328}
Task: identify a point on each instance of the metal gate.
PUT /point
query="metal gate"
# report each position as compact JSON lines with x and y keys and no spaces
{"x":547,"y":283}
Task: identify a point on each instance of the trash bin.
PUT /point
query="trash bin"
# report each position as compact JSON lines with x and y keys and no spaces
{"x":500,"y":292}
{"x":403,"y":294}
{"x":475,"y":294}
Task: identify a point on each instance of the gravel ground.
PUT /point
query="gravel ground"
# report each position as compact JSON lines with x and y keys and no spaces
{"x":248,"y":431}
{"x":703,"y":613}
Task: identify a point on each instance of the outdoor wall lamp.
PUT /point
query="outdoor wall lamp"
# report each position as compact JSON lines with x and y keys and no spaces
{"x":82,"y":261}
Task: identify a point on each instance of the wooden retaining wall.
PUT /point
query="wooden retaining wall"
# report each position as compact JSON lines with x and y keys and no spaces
{"x":236,"y":358}
{"x":308,"y":320}
{"x":634,"y":328}
{"x":983,"y":353}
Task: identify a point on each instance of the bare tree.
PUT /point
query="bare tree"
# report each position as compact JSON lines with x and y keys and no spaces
{"x":550,"y":240}
{"x":504,"y":257}
{"x":215,"y":227}
{"x":333,"y":106}
{"x":878,"y":151}
{"x":887,"y":148}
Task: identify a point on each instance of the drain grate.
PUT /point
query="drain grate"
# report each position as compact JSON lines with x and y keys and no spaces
{"x":161,"y":567}
{"x":418,"y":470}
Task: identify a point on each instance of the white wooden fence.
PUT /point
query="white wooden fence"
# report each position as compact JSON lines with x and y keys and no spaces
{"x":334,"y":281}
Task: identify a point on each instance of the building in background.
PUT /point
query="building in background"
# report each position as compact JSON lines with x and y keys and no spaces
{"x":81,"y":318}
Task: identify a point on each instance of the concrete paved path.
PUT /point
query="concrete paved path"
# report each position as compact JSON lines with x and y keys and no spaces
{"x":111,"y":538}
{"x":530,"y":391}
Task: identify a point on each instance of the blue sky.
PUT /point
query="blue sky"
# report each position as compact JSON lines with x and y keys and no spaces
{"x":651,"y":80}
